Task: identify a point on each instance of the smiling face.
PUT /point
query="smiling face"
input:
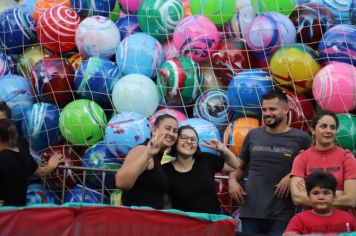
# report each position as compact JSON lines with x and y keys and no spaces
{"x":325,"y":132}
{"x":187,"y":144}
{"x":274,"y":112}
{"x":321,"y":200}
{"x":167,"y":132}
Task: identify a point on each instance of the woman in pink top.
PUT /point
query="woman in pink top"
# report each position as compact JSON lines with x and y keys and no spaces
{"x":325,"y":156}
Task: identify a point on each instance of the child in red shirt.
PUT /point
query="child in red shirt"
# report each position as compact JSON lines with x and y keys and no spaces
{"x":323,"y":218}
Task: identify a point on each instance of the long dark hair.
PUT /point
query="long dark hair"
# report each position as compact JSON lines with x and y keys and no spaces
{"x":173,"y":152}
{"x":8,"y":133}
{"x":320,"y":114}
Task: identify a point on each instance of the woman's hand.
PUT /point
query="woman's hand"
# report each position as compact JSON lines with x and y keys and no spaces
{"x":54,"y":161}
{"x":215,"y":144}
{"x":153,"y":146}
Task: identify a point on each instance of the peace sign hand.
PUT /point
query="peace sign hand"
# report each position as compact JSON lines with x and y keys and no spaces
{"x":215,"y":144}
{"x":153,"y":146}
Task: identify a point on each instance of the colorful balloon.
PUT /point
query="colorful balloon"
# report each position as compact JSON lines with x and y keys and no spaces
{"x":236,"y":131}
{"x":196,"y":37}
{"x":82,"y":122}
{"x":99,"y":156}
{"x":334,"y":87}
{"x":346,"y":132}
{"x":7,"y":65}
{"x":139,"y":53}
{"x":281,"y":6}
{"x":52,"y":80}
{"x":16,"y":91}
{"x":125,"y":131}
{"x":179,"y":81}
{"x":89,"y":37}
{"x":17,"y":30}
{"x":127,"y":25}
{"x":213,"y":106}
{"x":267,"y":32}
{"x":230,"y":58}
{"x":95,"y":80}
{"x":338,"y":44}
{"x":218,"y":11}
{"x":159,"y":17}
{"x":135,"y":93}
{"x":55,"y":180}
{"x":245,"y":92}
{"x":40,"y":125}
{"x":56,"y":28}
{"x":294,"y":67}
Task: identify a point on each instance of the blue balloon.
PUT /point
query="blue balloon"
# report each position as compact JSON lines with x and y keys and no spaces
{"x":75,"y":194}
{"x":95,"y":79}
{"x":99,"y":156}
{"x":28,"y":6}
{"x":127,"y":25}
{"x":245,"y":92}
{"x":7,"y":65}
{"x":93,"y":7}
{"x":17,"y":30}
{"x":41,"y":125}
{"x":139,"y":53}
{"x":16,"y":91}
{"x":353,"y":12}
{"x":37,"y":195}
{"x":205,"y":130}
{"x":338,"y":44}
{"x":125,"y":131}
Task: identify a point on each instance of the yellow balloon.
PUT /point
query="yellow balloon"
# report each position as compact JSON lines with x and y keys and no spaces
{"x":75,"y":60}
{"x":30,"y":57}
{"x":294,"y":67}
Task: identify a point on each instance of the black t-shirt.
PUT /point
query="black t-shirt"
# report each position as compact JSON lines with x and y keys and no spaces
{"x":270,"y":158}
{"x":195,"y":190}
{"x":149,"y":188}
{"x":14,"y":171}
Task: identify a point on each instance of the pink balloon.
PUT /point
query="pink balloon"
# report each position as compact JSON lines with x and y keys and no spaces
{"x":180,"y":116}
{"x":334,"y":87}
{"x":130,"y":5}
{"x":196,"y":37}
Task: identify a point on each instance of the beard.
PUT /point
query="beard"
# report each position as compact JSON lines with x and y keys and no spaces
{"x":277,"y":121}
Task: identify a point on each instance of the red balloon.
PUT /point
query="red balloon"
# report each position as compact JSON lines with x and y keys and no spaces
{"x":56,"y":28}
{"x":52,"y":80}
{"x":231,"y":57}
{"x":301,"y":111}
{"x":71,"y":158}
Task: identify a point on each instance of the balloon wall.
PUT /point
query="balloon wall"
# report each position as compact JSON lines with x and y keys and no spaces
{"x":93,"y":75}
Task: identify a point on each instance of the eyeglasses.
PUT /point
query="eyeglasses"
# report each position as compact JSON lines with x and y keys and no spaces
{"x":184,"y":138}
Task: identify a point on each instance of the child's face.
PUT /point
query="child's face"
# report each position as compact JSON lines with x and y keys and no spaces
{"x":321,"y":199}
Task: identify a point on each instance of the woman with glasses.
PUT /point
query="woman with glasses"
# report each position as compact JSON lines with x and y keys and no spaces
{"x":141,"y":175}
{"x":191,"y":174}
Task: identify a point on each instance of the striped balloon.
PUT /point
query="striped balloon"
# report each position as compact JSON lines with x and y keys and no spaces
{"x":43,"y":5}
{"x":179,"y":81}
{"x":56,"y":28}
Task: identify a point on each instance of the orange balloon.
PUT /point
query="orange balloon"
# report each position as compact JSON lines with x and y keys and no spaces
{"x":235,"y":133}
{"x":42,"y":5}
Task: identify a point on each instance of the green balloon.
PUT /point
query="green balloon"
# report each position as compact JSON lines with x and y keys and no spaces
{"x":115,"y":14}
{"x":159,"y":17}
{"x":218,"y":11}
{"x":282,"y":6}
{"x":346,"y":133}
{"x":82,"y":122}
{"x":179,"y":81}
